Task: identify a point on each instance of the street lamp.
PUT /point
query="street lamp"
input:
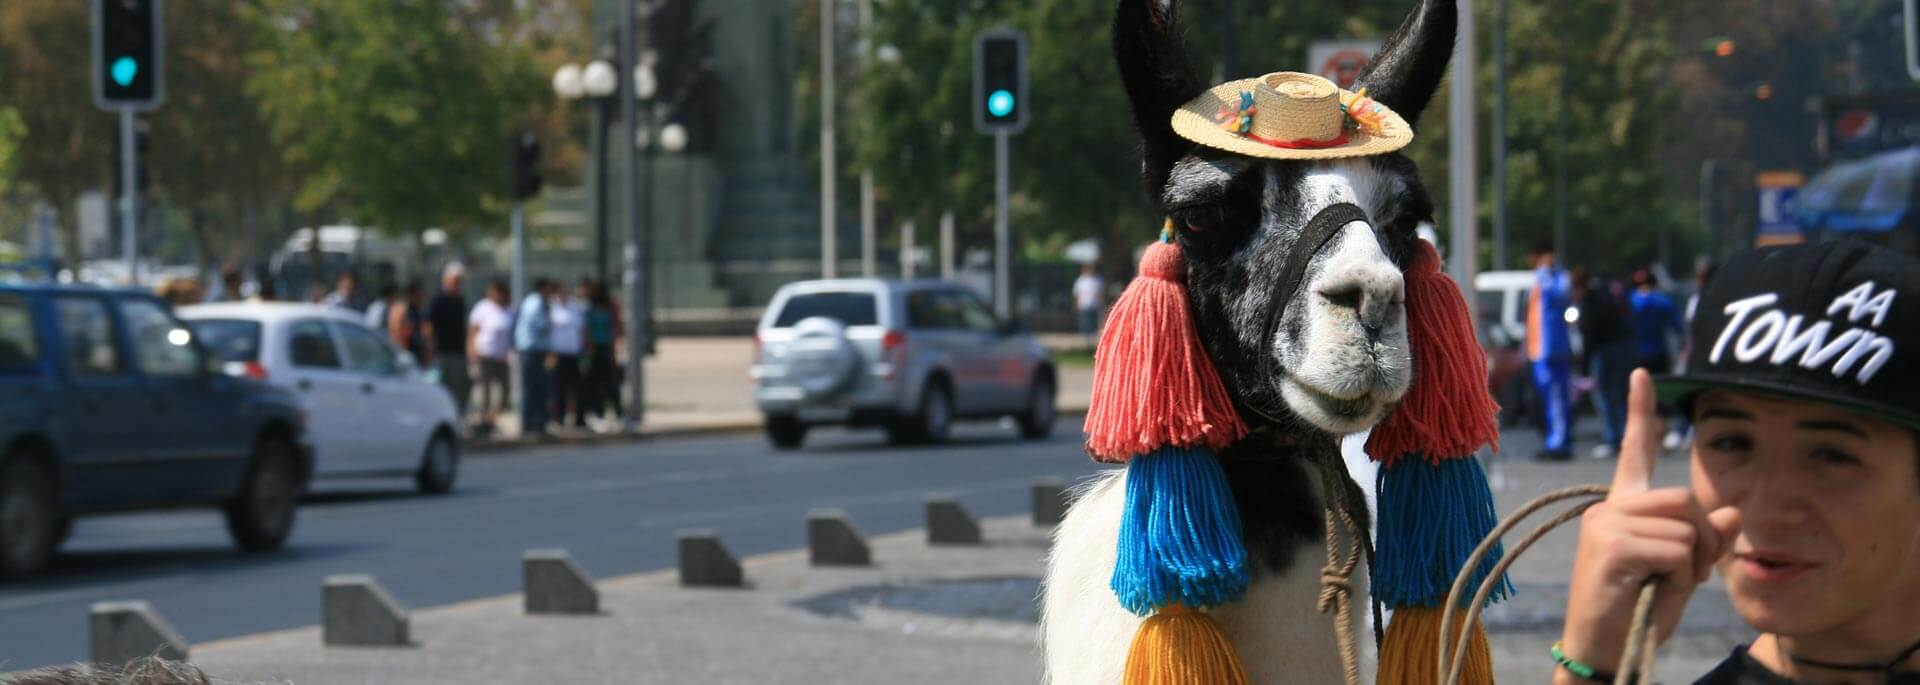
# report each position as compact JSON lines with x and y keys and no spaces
{"x":597,"y":81}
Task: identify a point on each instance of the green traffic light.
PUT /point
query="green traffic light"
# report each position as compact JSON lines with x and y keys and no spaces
{"x":1000,"y":103}
{"x":124,"y":69}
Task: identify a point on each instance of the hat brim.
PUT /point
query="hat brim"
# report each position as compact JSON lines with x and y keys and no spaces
{"x":1680,"y":391}
{"x":1194,"y":121}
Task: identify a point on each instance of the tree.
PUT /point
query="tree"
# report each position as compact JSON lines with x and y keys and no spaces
{"x":44,"y":45}
{"x":396,"y":113}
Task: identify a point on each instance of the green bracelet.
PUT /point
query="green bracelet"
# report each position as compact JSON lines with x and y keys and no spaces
{"x":1578,"y":669}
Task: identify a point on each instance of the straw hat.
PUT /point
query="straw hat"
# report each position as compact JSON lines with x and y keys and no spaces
{"x":1291,"y":115}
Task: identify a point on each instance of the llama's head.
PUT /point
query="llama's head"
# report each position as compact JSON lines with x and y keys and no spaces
{"x":1331,"y":349}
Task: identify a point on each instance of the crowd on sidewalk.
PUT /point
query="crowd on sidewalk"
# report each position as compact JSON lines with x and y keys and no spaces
{"x":1623,"y":324}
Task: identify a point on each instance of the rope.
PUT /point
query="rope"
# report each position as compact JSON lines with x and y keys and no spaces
{"x":1641,"y":638}
{"x":1336,"y":579}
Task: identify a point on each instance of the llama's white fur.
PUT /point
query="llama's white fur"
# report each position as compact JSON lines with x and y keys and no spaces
{"x":1085,"y":633}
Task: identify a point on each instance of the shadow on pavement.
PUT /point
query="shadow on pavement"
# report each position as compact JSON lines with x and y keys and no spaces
{"x":94,"y":565}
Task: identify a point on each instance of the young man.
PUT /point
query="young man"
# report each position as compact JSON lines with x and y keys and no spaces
{"x":1088,"y":292}
{"x":1609,"y":357}
{"x":1805,"y":478}
{"x":1550,"y":350}
{"x":447,"y":333}
{"x":533,"y":339}
{"x":490,"y":341}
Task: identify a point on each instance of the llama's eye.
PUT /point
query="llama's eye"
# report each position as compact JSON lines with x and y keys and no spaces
{"x":1199,"y":218}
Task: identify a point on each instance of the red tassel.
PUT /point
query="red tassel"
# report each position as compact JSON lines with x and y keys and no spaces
{"x":1153,"y":384}
{"x":1448,"y":413}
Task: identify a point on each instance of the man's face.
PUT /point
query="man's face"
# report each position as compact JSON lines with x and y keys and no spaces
{"x":451,"y":284}
{"x":1543,"y":260}
{"x":1829,"y":504}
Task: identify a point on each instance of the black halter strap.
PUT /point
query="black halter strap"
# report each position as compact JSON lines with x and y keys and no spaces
{"x":1888,"y":668}
{"x":1313,"y":238}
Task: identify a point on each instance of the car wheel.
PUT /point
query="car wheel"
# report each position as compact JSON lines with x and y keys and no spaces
{"x":933,"y":422}
{"x":28,"y":525}
{"x":438,"y":466}
{"x":1041,"y":409}
{"x":786,"y":432}
{"x":261,"y":516}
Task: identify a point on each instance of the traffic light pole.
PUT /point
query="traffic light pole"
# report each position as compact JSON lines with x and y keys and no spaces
{"x":1002,"y":286}
{"x":130,"y":197}
{"x":519,"y":253}
{"x":638,"y":278}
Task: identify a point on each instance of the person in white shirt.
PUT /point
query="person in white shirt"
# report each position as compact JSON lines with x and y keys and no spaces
{"x":490,"y":343}
{"x":1088,"y":290}
{"x":569,"y":340}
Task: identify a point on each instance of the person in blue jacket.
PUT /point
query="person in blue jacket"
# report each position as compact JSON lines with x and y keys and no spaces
{"x":1551,"y":351}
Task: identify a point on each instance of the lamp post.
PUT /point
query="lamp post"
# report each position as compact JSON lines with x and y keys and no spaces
{"x":595,"y":82}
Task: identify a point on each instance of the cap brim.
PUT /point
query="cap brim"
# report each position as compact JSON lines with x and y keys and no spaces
{"x":1681,"y":390}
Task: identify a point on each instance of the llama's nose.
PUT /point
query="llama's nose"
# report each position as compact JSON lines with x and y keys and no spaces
{"x":1371,"y":293}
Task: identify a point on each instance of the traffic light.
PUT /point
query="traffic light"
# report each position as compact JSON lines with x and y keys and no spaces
{"x":1000,"y":81}
{"x":525,"y":165}
{"x":126,"y":53}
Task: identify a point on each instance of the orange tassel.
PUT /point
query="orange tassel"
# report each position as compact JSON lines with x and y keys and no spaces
{"x":1153,"y":384}
{"x":1448,"y":413}
{"x":1180,"y":646}
{"x":1410,"y":651}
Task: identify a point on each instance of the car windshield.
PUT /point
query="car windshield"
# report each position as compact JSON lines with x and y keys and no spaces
{"x":850,"y":309}
{"x":233,"y":340}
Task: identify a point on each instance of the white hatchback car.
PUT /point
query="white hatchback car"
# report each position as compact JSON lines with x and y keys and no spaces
{"x":370,"y":409}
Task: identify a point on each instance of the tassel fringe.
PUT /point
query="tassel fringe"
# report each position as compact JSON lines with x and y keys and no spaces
{"x":1448,"y":413}
{"x":1179,"y":534}
{"x":1432,"y":516}
{"x":1409,"y":654}
{"x":1180,"y":646}
{"x":1153,"y":383}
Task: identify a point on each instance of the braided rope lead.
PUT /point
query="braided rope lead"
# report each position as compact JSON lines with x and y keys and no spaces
{"x":1641,"y":638}
{"x":1336,"y":580}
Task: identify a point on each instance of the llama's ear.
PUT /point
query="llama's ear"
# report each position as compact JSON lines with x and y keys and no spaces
{"x":1158,"y":79}
{"x":1407,"y":71}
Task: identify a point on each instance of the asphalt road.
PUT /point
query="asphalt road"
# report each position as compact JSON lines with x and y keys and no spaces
{"x":615,"y":508}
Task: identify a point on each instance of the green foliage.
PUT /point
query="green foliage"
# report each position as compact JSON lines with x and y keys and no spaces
{"x":13,"y":130}
{"x":397,"y":113}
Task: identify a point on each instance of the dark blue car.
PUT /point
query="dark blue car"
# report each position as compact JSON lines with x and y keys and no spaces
{"x":108,"y":403}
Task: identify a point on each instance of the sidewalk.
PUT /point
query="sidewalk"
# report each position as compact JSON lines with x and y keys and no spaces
{"x":700,"y":385}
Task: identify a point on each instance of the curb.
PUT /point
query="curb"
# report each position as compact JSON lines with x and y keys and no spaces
{"x":507,"y":447}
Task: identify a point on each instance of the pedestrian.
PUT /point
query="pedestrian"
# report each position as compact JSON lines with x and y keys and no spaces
{"x":1609,"y":357}
{"x":343,"y":293}
{"x":1804,"y":487}
{"x":569,"y":341}
{"x":1551,"y":352}
{"x":490,"y":344}
{"x":1654,"y":319}
{"x":406,"y":323}
{"x":447,"y":332}
{"x":533,"y":340}
{"x":376,"y":315}
{"x":1088,"y":292}
{"x":603,"y":367}
{"x":228,"y":288}
{"x":1681,"y":429}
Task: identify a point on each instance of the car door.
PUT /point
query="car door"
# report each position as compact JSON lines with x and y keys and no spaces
{"x":998,"y":356}
{"x":189,"y":416}
{"x":384,"y":414}
{"x":97,"y":440}
{"x":329,"y":393}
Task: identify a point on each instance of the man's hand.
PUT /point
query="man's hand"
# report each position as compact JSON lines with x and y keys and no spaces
{"x":1636,"y":534}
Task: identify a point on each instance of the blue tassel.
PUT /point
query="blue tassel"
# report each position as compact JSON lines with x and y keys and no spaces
{"x":1431,"y":517}
{"x":1179,"y":535}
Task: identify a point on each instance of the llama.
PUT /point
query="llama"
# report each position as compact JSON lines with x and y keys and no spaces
{"x":1330,"y":359}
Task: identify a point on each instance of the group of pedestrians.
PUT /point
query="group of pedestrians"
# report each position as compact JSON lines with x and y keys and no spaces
{"x":1622,"y":326}
{"x":569,"y":358}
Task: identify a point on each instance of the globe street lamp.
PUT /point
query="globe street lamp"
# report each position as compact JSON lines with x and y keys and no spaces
{"x":597,"y":81}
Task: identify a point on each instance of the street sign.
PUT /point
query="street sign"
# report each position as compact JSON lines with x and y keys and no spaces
{"x":1000,"y":81}
{"x":1341,"y":61}
{"x":127,"y":42}
{"x":1776,"y":191}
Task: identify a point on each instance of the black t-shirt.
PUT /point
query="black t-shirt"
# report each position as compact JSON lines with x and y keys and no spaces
{"x":1741,"y":669}
{"x":1601,"y":321}
{"x":448,"y":313}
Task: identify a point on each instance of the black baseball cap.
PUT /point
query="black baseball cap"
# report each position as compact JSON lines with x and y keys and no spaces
{"x":1836,"y":323}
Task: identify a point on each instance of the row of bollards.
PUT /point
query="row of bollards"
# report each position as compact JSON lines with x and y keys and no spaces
{"x":357,"y":611}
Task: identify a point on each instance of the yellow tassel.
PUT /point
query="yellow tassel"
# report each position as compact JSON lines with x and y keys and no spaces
{"x":1409,"y":654}
{"x":1180,"y":646}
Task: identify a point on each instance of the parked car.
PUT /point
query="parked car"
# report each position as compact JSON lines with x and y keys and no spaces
{"x":108,"y":403}
{"x":371,"y":411}
{"x":909,"y":356}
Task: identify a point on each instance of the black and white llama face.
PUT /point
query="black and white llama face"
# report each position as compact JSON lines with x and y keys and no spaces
{"x":1335,"y":356}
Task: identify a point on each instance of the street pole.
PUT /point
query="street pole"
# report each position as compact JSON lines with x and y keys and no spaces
{"x":639,"y":333}
{"x":1002,"y":250}
{"x":597,"y":142}
{"x":866,"y":224}
{"x":519,"y":222}
{"x":1461,"y":177}
{"x":1499,"y":128}
{"x":946,"y":245}
{"x":1707,"y":168}
{"x":1223,"y":65}
{"x":1560,"y":163}
{"x":827,"y":248}
{"x":130,"y":198}
{"x":906,"y":250}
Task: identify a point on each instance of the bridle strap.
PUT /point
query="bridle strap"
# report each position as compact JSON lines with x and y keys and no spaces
{"x":1313,"y":238}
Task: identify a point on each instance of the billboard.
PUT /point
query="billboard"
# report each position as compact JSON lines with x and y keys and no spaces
{"x":1853,"y":127}
{"x":1341,"y":61}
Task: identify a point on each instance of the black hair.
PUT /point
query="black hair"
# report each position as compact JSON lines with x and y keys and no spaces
{"x":1540,"y":249}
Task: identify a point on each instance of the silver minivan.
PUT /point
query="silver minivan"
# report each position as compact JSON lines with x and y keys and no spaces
{"x":909,"y":356}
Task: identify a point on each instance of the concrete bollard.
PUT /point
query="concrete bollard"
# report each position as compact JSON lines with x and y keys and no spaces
{"x":121,"y":632}
{"x":704,"y":562}
{"x":832,"y":541}
{"x":355,"y":610}
{"x":949,"y":524}
{"x":553,"y":584}
{"x":1049,"y":502}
